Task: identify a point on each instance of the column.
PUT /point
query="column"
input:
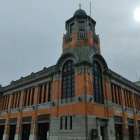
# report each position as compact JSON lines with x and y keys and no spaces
{"x":18,"y":129}
{"x":6,"y":130}
{"x":110,"y":131}
{"x":99,"y":130}
{"x":33,"y":133}
{"x":18,"y":126}
{"x":125,"y":124}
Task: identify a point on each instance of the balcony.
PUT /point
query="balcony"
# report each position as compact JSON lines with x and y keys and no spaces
{"x":82,"y":35}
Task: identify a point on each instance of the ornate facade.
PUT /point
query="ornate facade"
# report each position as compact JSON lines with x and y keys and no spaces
{"x":79,"y":98}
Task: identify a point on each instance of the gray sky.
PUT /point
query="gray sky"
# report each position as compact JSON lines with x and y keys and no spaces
{"x":31,"y":34}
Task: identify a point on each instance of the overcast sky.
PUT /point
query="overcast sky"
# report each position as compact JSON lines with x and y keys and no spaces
{"x":31,"y":34}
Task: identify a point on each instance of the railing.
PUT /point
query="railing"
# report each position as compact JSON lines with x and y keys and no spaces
{"x":68,"y":38}
{"x":82,"y":35}
{"x":96,"y":37}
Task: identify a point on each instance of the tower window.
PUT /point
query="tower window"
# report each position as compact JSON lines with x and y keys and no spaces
{"x":68,"y":79}
{"x":81,"y":26}
{"x":98,"y":85}
{"x":90,"y":27}
{"x":71,"y":27}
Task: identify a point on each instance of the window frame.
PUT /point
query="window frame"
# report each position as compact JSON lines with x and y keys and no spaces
{"x":98,"y":83}
{"x":68,"y":79}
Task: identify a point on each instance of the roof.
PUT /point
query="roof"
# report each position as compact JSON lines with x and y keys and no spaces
{"x":80,"y":12}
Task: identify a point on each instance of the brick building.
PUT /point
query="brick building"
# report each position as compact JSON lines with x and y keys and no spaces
{"x":79,"y":98}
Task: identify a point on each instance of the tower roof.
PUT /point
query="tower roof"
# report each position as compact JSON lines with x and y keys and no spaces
{"x":80,"y":12}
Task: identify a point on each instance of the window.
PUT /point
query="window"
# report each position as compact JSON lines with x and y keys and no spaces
{"x":18,"y":102}
{"x":116,"y":94}
{"x":71,"y":27}
{"x":40,"y":93}
{"x":98,"y":86}
{"x":32,"y":99}
{"x":66,"y":122}
{"x":44,"y":93}
{"x":128,"y":98}
{"x":70,"y":122}
{"x":49,"y":92}
{"x":90,"y":27}
{"x":81,"y":26}
{"x":137,"y":101}
{"x":25,"y":96}
{"x":61,"y":123}
{"x":68,"y":79}
{"x":28,"y":97}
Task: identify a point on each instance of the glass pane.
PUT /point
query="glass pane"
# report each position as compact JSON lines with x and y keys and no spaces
{"x":67,"y":79}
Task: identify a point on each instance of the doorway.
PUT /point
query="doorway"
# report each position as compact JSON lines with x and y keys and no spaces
{"x":118,"y":131}
{"x":43,"y":129}
{"x":131,"y":132}
{"x":12,"y":132}
{"x":102,"y":130}
{"x":1,"y":131}
{"x":26,"y":131}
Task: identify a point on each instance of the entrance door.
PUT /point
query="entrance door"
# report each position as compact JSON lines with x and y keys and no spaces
{"x":26,"y":131}
{"x":1,"y":131}
{"x":131,"y":132}
{"x":118,"y":132}
{"x":12,"y":132}
{"x":102,"y":130}
{"x":43,"y":128}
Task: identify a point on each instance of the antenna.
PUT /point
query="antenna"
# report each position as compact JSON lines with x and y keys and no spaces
{"x":90,"y":9}
{"x":80,"y":6}
{"x":137,"y":77}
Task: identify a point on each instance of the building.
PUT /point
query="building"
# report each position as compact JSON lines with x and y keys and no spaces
{"x":79,"y":98}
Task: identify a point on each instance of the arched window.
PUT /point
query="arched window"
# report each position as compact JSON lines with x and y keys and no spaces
{"x":98,"y":85}
{"x":68,"y":79}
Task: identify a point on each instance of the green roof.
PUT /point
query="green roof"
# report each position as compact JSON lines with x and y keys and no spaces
{"x":80,"y":12}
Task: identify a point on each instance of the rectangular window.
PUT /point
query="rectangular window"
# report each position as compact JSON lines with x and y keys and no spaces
{"x":112,"y":93}
{"x":119,"y":96}
{"x":18,"y":103}
{"x":32,"y":100}
{"x":44,"y":97}
{"x":25,"y":97}
{"x":40,"y":93}
{"x":16,"y":97}
{"x":13,"y":100}
{"x":125,"y":97}
{"x":4,"y":102}
{"x":71,"y":27}
{"x":66,"y":122}
{"x":7,"y":102}
{"x":71,"y":122}
{"x":29,"y":96}
{"x":61,"y":123}
{"x":49,"y":92}
{"x":81,"y":26}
